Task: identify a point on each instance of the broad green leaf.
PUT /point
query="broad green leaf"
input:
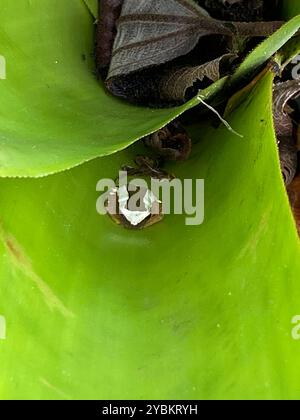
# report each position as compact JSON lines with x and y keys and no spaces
{"x":53,"y":112}
{"x":93,"y":7}
{"x":96,"y":311}
{"x":54,"y":115}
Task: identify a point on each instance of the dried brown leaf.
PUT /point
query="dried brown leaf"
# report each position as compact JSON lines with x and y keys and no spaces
{"x":109,"y":12}
{"x":282,"y":94}
{"x":172,"y":142}
{"x":288,"y":158}
{"x":152,"y":32}
{"x":174,"y":85}
{"x":284,"y":127}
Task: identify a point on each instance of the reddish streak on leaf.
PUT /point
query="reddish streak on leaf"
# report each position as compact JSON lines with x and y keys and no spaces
{"x":14,"y":250}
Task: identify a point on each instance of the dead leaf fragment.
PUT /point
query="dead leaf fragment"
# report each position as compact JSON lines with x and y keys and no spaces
{"x":284,"y":127}
{"x":174,"y":85}
{"x":151,"y":33}
{"x":171,"y":142}
{"x":109,"y":12}
{"x":282,"y":94}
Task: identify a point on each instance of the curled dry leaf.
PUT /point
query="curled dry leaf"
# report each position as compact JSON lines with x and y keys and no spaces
{"x":171,"y":142}
{"x":176,"y":82}
{"x":151,"y":33}
{"x":140,"y":88}
{"x":282,"y":94}
{"x":284,"y":127}
{"x":288,"y":158}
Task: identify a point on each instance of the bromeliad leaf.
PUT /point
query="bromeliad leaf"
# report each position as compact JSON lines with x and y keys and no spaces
{"x":62,"y":117}
{"x":228,"y":287}
{"x":92,"y":6}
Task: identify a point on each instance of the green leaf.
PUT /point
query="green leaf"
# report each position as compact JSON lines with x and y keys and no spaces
{"x":53,"y":113}
{"x":93,"y":7}
{"x":290,"y":8}
{"x":171,"y":312}
{"x":289,"y":51}
{"x":266,"y":50}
